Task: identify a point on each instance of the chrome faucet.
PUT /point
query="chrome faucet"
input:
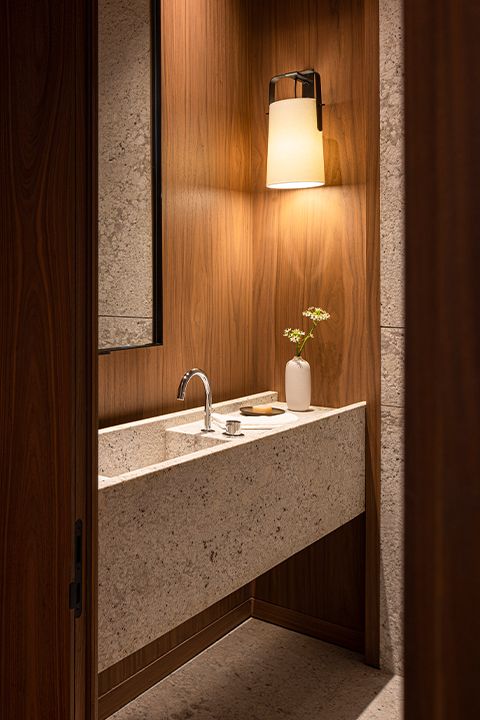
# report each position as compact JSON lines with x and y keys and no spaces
{"x":208,"y":394}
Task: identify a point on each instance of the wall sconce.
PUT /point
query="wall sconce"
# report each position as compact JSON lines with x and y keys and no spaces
{"x":295,"y":138}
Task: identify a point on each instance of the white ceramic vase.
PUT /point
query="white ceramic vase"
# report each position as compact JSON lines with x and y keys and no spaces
{"x":298,"y":384}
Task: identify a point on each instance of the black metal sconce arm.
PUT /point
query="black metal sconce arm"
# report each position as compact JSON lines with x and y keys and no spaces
{"x":311,"y":88}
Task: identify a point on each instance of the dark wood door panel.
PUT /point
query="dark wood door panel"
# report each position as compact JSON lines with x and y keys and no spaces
{"x":44,"y":350}
{"x":442,"y":458}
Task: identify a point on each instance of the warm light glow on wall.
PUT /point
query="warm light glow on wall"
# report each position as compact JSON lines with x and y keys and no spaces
{"x":295,"y":138}
{"x":295,"y":145}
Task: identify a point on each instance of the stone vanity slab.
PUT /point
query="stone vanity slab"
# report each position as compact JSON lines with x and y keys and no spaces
{"x":181,"y":529}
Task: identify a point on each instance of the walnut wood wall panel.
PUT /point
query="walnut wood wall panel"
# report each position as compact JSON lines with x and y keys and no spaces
{"x":321,"y":246}
{"x":48,"y":357}
{"x":207,"y":260}
{"x":310,"y":244}
{"x":322,"y":588}
{"x":442,"y":469}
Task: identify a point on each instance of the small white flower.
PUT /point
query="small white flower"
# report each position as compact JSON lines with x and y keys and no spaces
{"x":300,"y":337}
{"x":316,"y":314}
{"x":295,"y":335}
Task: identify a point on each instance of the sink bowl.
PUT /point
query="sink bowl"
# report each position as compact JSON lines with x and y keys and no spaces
{"x":140,"y":444}
{"x":178,"y":443}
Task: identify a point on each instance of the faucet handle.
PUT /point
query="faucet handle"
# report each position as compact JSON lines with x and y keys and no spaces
{"x":233,"y":428}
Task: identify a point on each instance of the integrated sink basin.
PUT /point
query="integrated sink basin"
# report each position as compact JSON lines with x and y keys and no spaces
{"x":159,"y":445}
{"x":186,"y":518}
{"x":123,"y":448}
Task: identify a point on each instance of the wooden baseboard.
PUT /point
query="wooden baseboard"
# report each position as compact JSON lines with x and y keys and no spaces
{"x":308,"y":625}
{"x":135,"y":685}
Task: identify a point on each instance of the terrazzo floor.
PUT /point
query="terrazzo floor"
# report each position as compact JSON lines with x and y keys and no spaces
{"x":263,"y":672}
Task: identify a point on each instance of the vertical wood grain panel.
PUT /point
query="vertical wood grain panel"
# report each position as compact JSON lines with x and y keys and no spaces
{"x":309,"y":245}
{"x":321,"y":247}
{"x":442,"y":459}
{"x":47,"y":442}
{"x":86,"y":366}
{"x":326,"y":581}
{"x":207,"y":260}
{"x":372,"y":358}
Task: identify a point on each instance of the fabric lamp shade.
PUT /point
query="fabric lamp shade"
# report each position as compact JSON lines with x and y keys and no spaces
{"x":295,"y":145}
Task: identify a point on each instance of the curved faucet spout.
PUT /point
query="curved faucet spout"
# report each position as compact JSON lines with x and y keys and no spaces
{"x":208,"y":394}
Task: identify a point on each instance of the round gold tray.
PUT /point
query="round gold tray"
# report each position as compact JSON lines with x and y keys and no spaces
{"x":261,"y":411}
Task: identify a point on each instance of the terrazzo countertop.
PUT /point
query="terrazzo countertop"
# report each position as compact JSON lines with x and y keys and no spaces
{"x":179,"y":535}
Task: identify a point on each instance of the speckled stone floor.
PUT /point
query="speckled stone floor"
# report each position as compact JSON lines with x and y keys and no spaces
{"x":263,"y":672}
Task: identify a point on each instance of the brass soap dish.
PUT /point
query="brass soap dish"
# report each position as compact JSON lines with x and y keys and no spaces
{"x":261,"y":410}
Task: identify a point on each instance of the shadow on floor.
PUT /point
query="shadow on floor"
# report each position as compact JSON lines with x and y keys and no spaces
{"x":263,"y":672}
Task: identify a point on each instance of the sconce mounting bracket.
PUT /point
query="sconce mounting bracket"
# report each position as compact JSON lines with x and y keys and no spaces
{"x":311,"y":88}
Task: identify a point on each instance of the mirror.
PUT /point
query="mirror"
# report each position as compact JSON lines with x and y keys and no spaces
{"x":129,"y":180}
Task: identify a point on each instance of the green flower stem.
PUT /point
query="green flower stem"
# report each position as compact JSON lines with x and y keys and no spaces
{"x":300,"y":346}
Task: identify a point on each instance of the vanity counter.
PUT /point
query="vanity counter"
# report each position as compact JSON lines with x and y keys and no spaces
{"x":178,"y":535}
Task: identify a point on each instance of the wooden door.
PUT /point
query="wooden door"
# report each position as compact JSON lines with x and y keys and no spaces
{"x":47,"y":358}
{"x":442,"y":642}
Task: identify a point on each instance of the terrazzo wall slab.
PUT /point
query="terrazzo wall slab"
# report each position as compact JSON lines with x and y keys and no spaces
{"x":124,"y":174}
{"x":392,"y":331}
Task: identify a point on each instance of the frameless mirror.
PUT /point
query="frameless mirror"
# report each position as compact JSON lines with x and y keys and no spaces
{"x":129,"y":181}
